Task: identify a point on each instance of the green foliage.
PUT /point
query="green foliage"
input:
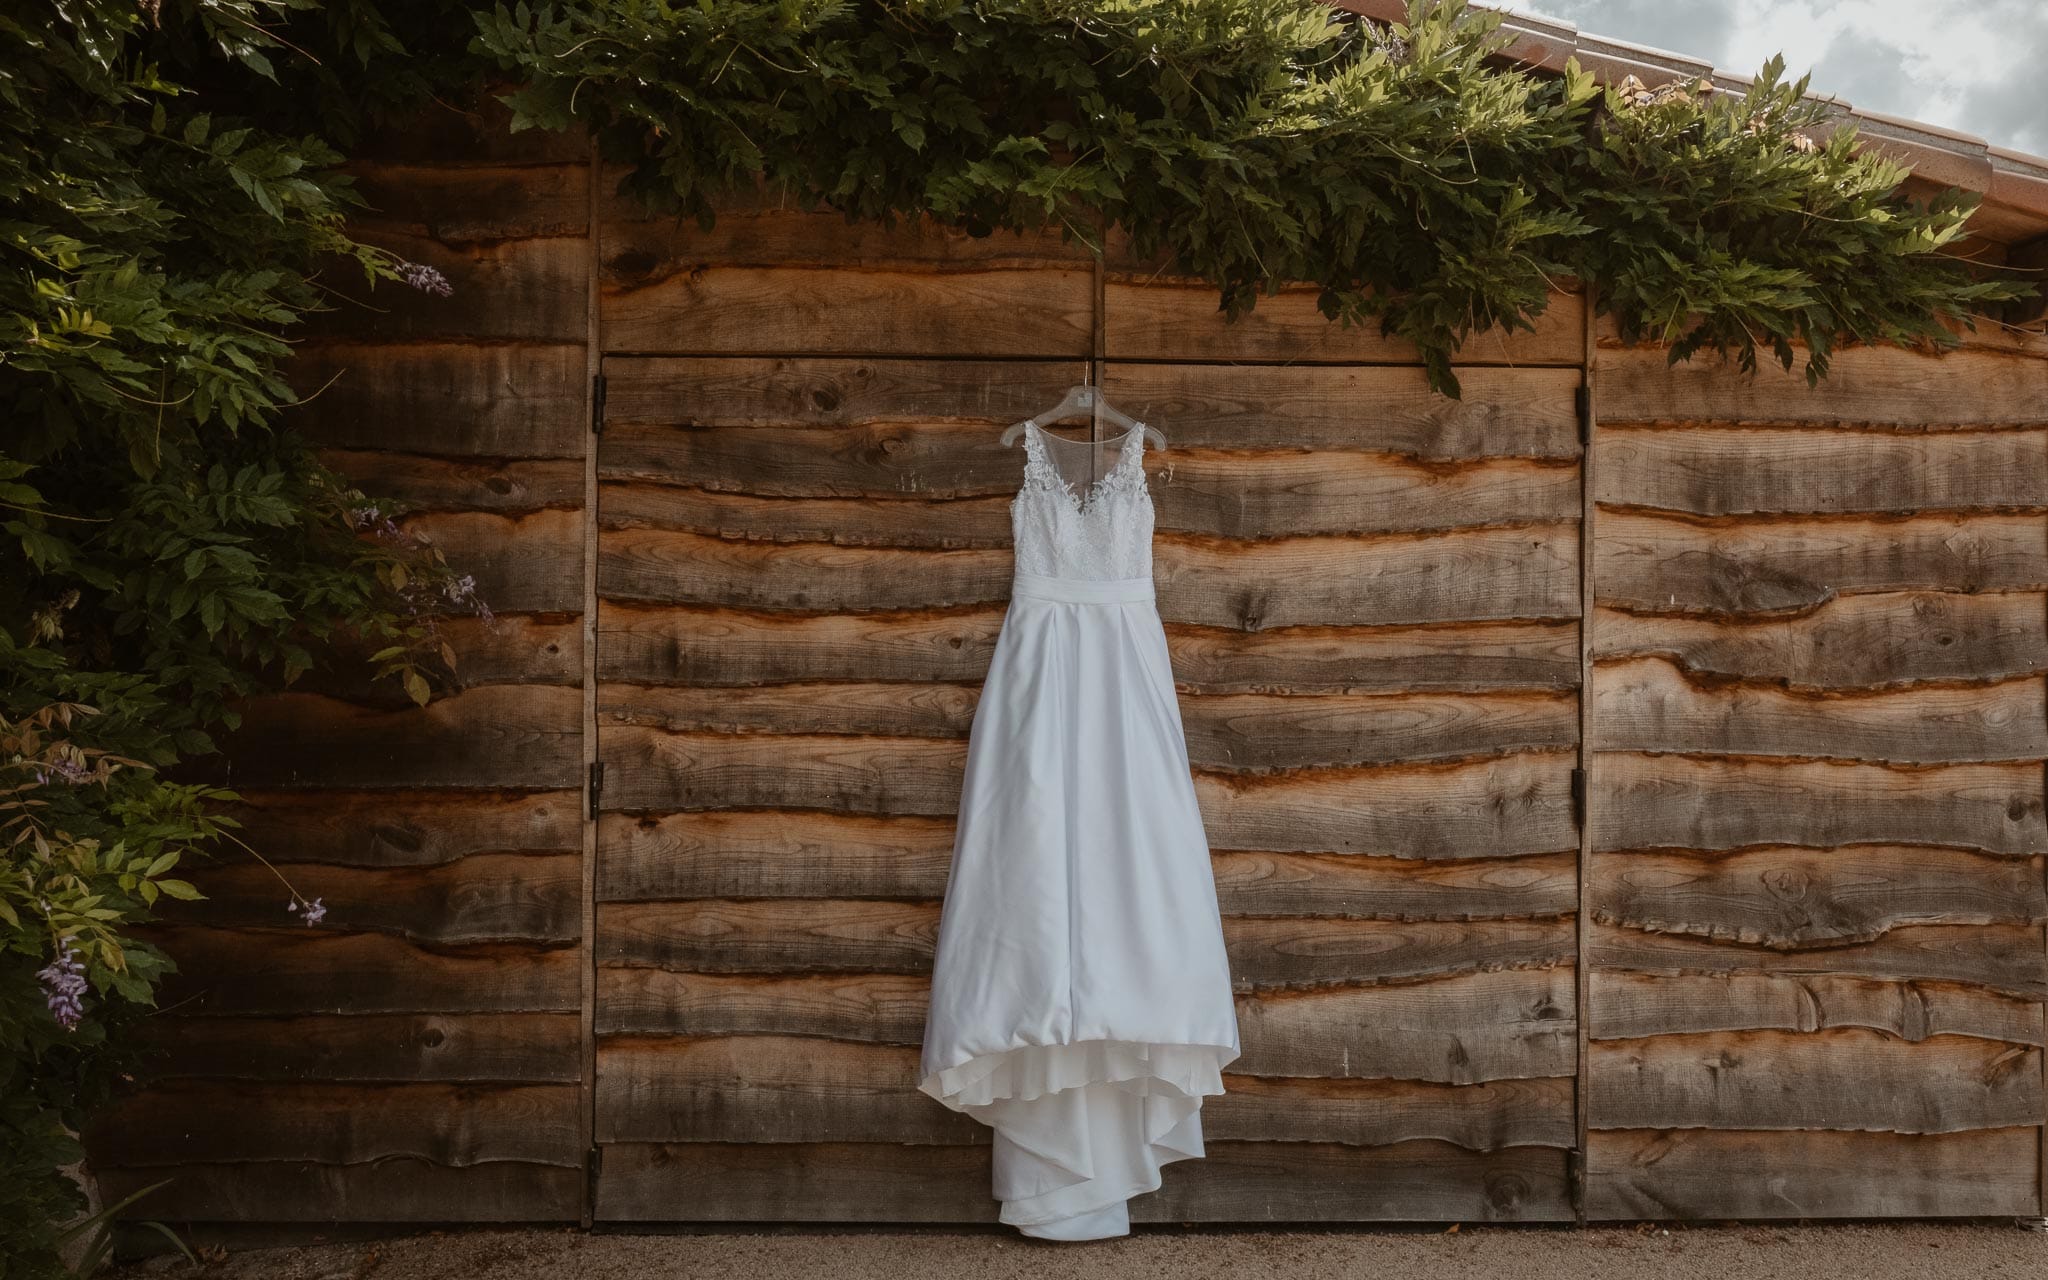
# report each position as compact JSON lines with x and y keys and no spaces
{"x":1262,"y":143}
{"x":167,"y":546}
{"x":1722,"y":224}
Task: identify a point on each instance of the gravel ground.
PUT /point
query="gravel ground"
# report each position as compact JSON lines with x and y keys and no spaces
{"x":1988,"y":1250}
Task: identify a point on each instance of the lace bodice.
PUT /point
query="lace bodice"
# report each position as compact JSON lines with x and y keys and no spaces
{"x":1104,"y":531}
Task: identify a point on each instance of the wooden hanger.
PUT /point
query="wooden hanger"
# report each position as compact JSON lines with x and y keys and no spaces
{"x":1083,"y":398}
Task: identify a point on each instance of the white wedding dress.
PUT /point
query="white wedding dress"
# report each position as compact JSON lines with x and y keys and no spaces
{"x":1081,"y":998}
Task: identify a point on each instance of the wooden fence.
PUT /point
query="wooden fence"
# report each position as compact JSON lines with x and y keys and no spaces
{"x":1626,"y":783}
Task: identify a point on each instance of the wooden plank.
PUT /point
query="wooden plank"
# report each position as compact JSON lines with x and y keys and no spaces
{"x":1589,"y":533}
{"x":1630,"y":1005}
{"x":930,"y":458}
{"x":505,"y":736}
{"x":531,"y":563}
{"x":1655,"y":564}
{"x":794,"y":392}
{"x":1500,"y":412}
{"x":1471,"y":575}
{"x":516,"y":648}
{"x":1650,"y":705}
{"x":1844,"y":1078}
{"x":1243,"y":494}
{"x":1259,"y":883}
{"x":1701,"y":1173}
{"x":1866,"y":386}
{"x":1267,"y":951}
{"x":1785,"y":897}
{"x":1463,"y":576}
{"x":794,"y":1182}
{"x":1718,"y":471}
{"x":966,"y":309}
{"x":452,"y":399}
{"x":658,"y":566}
{"x":763,"y":227}
{"x":475,"y":203}
{"x":1235,"y":1181}
{"x":525,"y":1048}
{"x":486,"y":897}
{"x":586,"y":947}
{"x":1251,"y":732}
{"x":1313,"y":659}
{"x":963,"y":499}
{"x":1500,"y":807}
{"x":1884,"y":640}
{"x":649,"y":769}
{"x":424,"y":483}
{"x":882,"y":1008}
{"x":659,"y":643}
{"x":1419,"y":1181}
{"x":1642,"y":801}
{"x":788,"y":935}
{"x":305,"y":971}
{"x":751,"y":853}
{"x":1508,"y":807}
{"x":778,"y":1088}
{"x":395,"y":1190}
{"x":1462,"y":1029}
{"x":1494,"y":1116}
{"x":1258,"y":732}
{"x":455,"y":1125}
{"x":772,"y":1088}
{"x":906,"y":709}
{"x":939,"y":525}
{"x":769,"y":935}
{"x":411,"y":829}
{"x":528,"y":290}
{"x":1148,"y":317}
{"x":709,"y":645}
{"x":2003,"y":958}
{"x":780,"y":854}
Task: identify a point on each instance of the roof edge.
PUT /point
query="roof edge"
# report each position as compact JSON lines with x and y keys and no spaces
{"x":2013,"y":184}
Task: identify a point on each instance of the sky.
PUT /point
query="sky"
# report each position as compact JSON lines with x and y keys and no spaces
{"x":1975,"y":65}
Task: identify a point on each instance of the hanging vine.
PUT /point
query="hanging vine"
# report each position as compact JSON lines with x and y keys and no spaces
{"x":1262,"y":143}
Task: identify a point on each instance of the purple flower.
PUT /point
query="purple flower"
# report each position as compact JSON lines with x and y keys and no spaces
{"x":425,"y":278}
{"x":63,"y":771}
{"x":462,"y":590}
{"x":64,"y":981}
{"x":316,"y":911}
{"x":374,"y":520}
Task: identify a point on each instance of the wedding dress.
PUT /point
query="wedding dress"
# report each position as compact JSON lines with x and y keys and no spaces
{"x":1081,"y":997}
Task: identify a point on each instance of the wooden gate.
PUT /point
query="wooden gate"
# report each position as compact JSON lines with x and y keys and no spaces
{"x":802,"y":559}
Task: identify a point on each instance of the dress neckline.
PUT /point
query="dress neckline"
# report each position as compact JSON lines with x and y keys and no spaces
{"x":1081,"y":502}
{"x":1043,"y":434}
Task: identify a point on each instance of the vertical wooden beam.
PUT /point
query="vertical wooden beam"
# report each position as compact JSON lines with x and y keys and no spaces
{"x":1584,"y":782}
{"x":593,"y":360}
{"x":1099,"y":345}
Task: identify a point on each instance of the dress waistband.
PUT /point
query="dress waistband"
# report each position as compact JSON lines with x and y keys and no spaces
{"x":1044,"y":586}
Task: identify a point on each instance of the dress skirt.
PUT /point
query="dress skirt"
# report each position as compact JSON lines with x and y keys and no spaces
{"x":1081,"y":998}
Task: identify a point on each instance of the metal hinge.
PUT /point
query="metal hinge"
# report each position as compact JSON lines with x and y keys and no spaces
{"x":596,"y":786}
{"x":597,"y":405}
{"x":1578,"y":797}
{"x":1582,"y":400}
